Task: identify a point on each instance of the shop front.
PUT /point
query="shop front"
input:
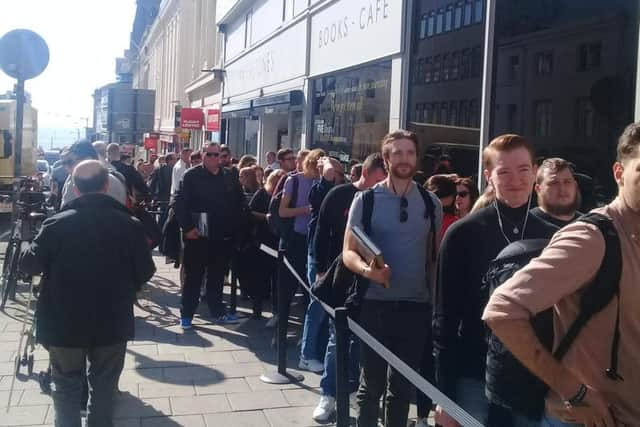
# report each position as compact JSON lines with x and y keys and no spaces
{"x":355,"y":76}
{"x":263,"y":98}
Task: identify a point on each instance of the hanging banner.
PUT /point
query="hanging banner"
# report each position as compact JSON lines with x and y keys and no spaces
{"x":213,"y":120}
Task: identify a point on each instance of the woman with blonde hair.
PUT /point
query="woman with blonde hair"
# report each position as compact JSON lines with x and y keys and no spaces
{"x":295,"y":204}
{"x":264,"y":279}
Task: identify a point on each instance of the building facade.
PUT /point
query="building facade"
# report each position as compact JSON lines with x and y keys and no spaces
{"x":305,"y":73}
{"x":339,"y":74}
{"x":122,"y":114}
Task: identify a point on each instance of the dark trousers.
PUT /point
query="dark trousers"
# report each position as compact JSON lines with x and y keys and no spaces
{"x":296,"y":253}
{"x":103,"y":368}
{"x":424,"y":402}
{"x":200,"y":256}
{"x":398,"y":325}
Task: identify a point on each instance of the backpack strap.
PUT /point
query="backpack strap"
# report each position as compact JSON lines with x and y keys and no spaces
{"x":429,"y":212}
{"x":294,"y":194}
{"x":599,"y":293}
{"x":367,"y":210}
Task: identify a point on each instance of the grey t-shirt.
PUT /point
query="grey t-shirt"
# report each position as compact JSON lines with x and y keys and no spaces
{"x":116,"y":189}
{"x":403,"y":245}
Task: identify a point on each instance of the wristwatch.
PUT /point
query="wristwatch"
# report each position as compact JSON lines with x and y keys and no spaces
{"x":578,"y":398}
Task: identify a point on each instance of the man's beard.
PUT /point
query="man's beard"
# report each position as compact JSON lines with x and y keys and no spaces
{"x":563,"y":210}
{"x":395,"y":171}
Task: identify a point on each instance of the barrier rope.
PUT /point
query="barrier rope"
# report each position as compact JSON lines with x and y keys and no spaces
{"x":448,"y":405}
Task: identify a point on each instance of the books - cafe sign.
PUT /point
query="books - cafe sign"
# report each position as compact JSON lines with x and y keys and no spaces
{"x":351,"y":32}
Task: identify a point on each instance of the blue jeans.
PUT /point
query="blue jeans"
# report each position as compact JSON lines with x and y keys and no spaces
{"x":314,"y":334}
{"x":103,"y":371}
{"x":547,"y":421}
{"x":471,"y":397}
{"x":328,"y":380}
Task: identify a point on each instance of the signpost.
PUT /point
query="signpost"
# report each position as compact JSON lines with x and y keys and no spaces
{"x":23,"y":56}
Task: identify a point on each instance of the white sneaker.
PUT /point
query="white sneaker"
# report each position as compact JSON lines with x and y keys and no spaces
{"x":271,"y":323}
{"x":325,"y":409}
{"x":422,"y":422}
{"x":311,"y":365}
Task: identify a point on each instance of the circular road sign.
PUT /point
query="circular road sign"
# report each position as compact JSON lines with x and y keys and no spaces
{"x":23,"y":54}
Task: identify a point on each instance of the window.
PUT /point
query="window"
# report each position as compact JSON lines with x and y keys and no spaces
{"x":544,"y":63}
{"x":474,"y":112}
{"x":465,"y":64}
{"x":423,"y":27}
{"x":419,"y":113}
{"x":437,"y":68}
{"x":444,"y":113}
{"x":585,"y":117}
{"x":440,"y":22}
{"x":476,"y":62}
{"x":431,"y":24}
{"x":455,"y":65}
{"x":428,"y":113}
{"x":448,"y":19}
{"x":468,"y":13}
{"x":479,"y":12}
{"x":428,"y":73}
{"x":446,"y":66}
{"x":589,"y":56}
{"x":247,"y":29}
{"x":543,"y":111}
{"x":453,"y":113}
{"x":464,"y":113}
{"x":514,"y":67}
{"x":420,"y":71}
{"x":512,"y":118}
{"x":457,"y":19}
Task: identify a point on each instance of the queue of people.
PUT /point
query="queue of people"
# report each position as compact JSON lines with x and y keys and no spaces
{"x":429,"y":303}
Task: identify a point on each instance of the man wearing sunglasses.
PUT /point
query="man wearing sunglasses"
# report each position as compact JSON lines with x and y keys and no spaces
{"x":397,"y":314}
{"x":209,"y":207}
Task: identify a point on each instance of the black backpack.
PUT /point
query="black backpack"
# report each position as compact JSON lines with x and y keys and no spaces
{"x":281,"y":227}
{"x":340,"y":287}
{"x":508,"y":383}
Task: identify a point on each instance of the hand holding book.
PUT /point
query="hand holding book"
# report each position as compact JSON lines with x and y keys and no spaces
{"x":377,"y":270}
{"x":378,"y":274}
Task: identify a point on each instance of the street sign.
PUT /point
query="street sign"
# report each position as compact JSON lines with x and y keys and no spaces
{"x":23,"y":54}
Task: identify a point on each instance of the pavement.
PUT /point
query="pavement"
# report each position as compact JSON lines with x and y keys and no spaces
{"x":205,"y":377}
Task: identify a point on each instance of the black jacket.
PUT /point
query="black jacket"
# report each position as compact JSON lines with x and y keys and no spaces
{"x":161,"y":183}
{"x":220,"y":196}
{"x":330,"y":228}
{"x":94,"y":258}
{"x":133,"y":179}
{"x":459,"y":334}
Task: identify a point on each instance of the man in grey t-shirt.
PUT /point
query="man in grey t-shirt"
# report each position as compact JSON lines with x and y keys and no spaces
{"x":397,"y":315}
{"x":83,"y":150}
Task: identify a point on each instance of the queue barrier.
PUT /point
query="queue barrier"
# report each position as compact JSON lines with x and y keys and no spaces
{"x":344,"y":325}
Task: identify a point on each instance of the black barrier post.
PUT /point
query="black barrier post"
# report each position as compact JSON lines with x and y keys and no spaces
{"x":281,"y":376}
{"x":234,"y":290}
{"x":342,"y":367}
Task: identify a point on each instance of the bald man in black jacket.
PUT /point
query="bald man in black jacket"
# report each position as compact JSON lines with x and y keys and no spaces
{"x":93,"y":257}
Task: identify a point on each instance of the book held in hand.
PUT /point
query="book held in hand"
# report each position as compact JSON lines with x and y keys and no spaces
{"x":368,"y":250}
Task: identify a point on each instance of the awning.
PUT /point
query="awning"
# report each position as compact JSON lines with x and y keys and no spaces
{"x":236,"y":110}
{"x":279,"y":103}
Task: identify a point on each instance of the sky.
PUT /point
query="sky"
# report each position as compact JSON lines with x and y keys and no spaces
{"x":84,"y":38}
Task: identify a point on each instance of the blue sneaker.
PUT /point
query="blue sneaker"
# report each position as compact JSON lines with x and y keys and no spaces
{"x":228,"y":319}
{"x":185,"y":323}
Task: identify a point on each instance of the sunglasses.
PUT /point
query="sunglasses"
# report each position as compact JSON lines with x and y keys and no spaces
{"x":404,"y":204}
{"x":212,"y":154}
{"x":463,"y":194}
{"x":289,"y":158}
